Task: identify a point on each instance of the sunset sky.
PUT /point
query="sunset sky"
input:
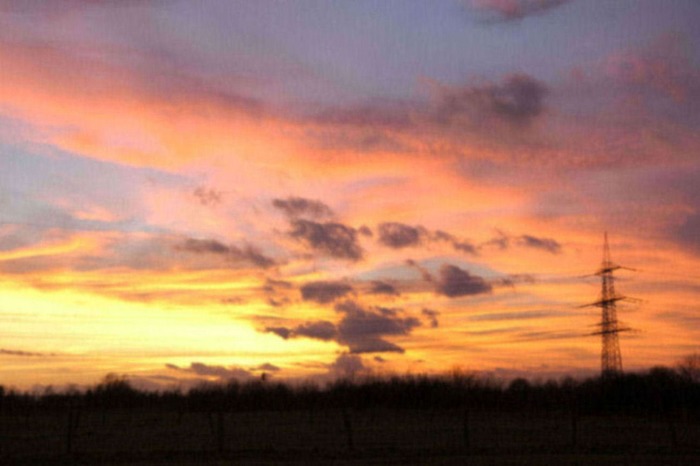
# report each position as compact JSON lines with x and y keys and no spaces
{"x":203,"y":190}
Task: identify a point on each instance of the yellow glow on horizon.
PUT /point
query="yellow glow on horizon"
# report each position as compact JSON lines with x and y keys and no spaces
{"x":96,"y":335}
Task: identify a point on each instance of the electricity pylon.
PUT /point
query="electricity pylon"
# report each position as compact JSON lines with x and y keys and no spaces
{"x":610,"y":357}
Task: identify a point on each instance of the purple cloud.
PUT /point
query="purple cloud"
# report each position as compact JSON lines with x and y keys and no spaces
{"x":454,"y":282}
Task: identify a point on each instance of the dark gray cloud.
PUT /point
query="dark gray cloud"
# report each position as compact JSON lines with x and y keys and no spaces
{"x":251,"y":254}
{"x":458,"y":245}
{"x":247,"y":253}
{"x":546,"y":244}
{"x":334,"y":239}
{"x":282,"y":332}
{"x":432,"y":317}
{"x":453,"y":282}
{"x":324,"y":291}
{"x":320,"y":330}
{"x":518,"y":100}
{"x":272,"y":285}
{"x":203,"y":246}
{"x":316,"y":329}
{"x":361,"y":329}
{"x":295,"y":207}
{"x":380,"y":287}
{"x":398,"y":235}
{"x":208,"y":196}
{"x":221,"y":372}
{"x":512,"y":10}
{"x":501,"y":113}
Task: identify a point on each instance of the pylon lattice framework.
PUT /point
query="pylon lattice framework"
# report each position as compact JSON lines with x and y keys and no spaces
{"x":610,"y":357}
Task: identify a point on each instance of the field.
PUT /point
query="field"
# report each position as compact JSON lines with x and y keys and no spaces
{"x":635,"y":419}
{"x":342,"y":437}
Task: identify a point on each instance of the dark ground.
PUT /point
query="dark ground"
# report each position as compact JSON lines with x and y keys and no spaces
{"x":375,"y":436}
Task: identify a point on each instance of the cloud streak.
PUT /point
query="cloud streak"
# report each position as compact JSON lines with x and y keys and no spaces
{"x":30,"y":354}
{"x":513,"y":10}
{"x":220,"y":372}
{"x":247,"y":253}
{"x":504,"y":241}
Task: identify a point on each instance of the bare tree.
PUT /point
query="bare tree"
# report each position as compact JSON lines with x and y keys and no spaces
{"x":689,"y":367}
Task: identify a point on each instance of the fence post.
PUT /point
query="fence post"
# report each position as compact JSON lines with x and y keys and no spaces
{"x":220,"y":431}
{"x":673,"y":430}
{"x":348,"y":429}
{"x":465,"y":429}
{"x":69,"y":429}
{"x":574,"y":429}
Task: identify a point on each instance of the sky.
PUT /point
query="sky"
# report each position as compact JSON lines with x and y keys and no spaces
{"x":201,"y":191}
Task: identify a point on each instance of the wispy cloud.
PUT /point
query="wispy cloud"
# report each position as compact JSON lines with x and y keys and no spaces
{"x":432,"y":317}
{"x":547,"y":244}
{"x":219,"y":372}
{"x":512,"y":10}
{"x":31,"y":354}
{"x":208,"y":196}
{"x":504,"y":241}
{"x":247,"y":253}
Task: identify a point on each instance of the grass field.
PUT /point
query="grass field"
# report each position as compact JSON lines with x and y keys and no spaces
{"x":353,"y":437}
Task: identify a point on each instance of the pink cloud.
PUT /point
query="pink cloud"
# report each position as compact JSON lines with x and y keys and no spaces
{"x":663,"y":67}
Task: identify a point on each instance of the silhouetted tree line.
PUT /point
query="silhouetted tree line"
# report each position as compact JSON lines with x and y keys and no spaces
{"x":659,"y":391}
